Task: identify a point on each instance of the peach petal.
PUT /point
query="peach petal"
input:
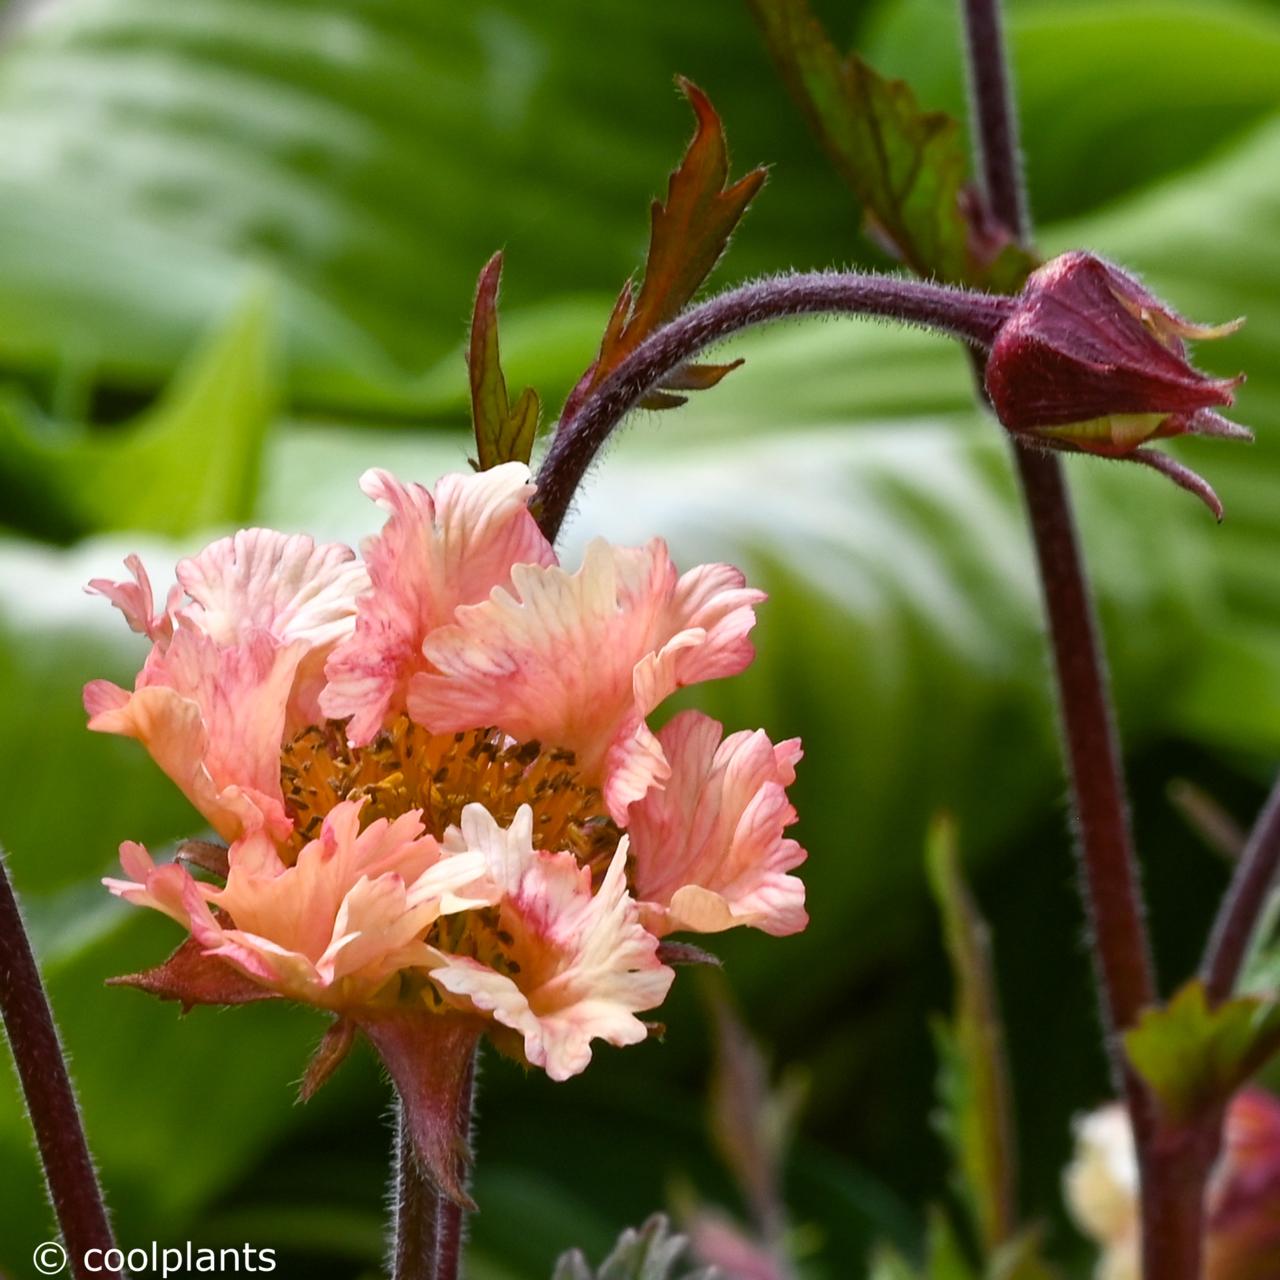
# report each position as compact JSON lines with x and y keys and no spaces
{"x":709,"y":848}
{"x":436,"y":551}
{"x":578,"y":660}
{"x":586,"y":965}
{"x":213,"y":720}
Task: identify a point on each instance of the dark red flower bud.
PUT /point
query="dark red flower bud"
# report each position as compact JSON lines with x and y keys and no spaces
{"x":1091,"y":362}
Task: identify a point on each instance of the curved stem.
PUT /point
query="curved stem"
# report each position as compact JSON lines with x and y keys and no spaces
{"x":972,"y":317}
{"x":51,"y":1101}
{"x":1245,"y":901}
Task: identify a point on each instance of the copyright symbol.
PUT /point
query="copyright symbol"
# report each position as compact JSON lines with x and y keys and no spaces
{"x":50,"y":1258}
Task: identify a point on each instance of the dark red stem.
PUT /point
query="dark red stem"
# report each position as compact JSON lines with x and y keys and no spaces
{"x":972,"y":317}
{"x":995,"y":117}
{"x":1245,"y":901}
{"x":1110,"y":886}
{"x":1174,"y":1163}
{"x":430,"y":1226}
{"x":51,"y":1101}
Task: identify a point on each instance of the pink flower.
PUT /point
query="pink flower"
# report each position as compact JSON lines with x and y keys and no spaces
{"x":426,"y":765}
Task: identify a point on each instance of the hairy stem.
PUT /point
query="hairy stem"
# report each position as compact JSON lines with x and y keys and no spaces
{"x":972,"y":317}
{"x":417,"y":1209}
{"x":995,"y":117}
{"x":1109,"y":873}
{"x":1173,"y":1174}
{"x":430,"y":1226}
{"x":1245,"y":901}
{"x":51,"y":1101}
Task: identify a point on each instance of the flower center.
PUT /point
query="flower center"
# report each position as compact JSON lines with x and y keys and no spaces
{"x":407,"y":767}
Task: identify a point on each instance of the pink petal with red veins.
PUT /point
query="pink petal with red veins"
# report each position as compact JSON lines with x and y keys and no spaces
{"x":437,"y":551}
{"x":578,"y":660}
{"x":583,"y":963}
{"x":709,"y":850}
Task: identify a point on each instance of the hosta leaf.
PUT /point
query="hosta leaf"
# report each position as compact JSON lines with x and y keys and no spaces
{"x":973,"y":1080}
{"x":905,"y":164}
{"x":189,"y":462}
{"x":1194,"y":1056}
{"x":504,"y":431}
{"x":653,"y":1252}
{"x":687,"y":236}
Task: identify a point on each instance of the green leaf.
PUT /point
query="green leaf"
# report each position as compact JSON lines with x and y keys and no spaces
{"x":190,"y":462}
{"x":906,"y":165}
{"x":504,"y":432}
{"x":1195,"y":1057}
{"x":653,"y":1252}
{"x":973,"y":1079}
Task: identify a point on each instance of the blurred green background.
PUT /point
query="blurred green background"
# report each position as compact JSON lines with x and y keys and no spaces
{"x":238,"y":240}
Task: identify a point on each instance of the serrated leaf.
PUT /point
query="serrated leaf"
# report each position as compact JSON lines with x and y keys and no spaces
{"x":191,"y":461}
{"x":973,"y":1083}
{"x":907,"y":166}
{"x":653,"y":1252}
{"x":1195,"y":1057}
{"x":504,"y":431}
{"x":687,"y":236}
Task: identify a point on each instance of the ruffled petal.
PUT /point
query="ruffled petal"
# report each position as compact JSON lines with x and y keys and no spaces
{"x":348,"y":914}
{"x":135,"y":599}
{"x":284,"y":584}
{"x":162,"y":887}
{"x":301,"y":593}
{"x":578,"y":660}
{"x":709,"y":850}
{"x":213,"y":719}
{"x":437,"y":551}
{"x":579,"y":965}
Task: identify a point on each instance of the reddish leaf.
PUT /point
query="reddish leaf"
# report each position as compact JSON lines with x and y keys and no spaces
{"x":688,"y":235}
{"x":330,"y":1054}
{"x":429,"y":1058}
{"x":191,"y":976}
{"x":504,"y":432}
